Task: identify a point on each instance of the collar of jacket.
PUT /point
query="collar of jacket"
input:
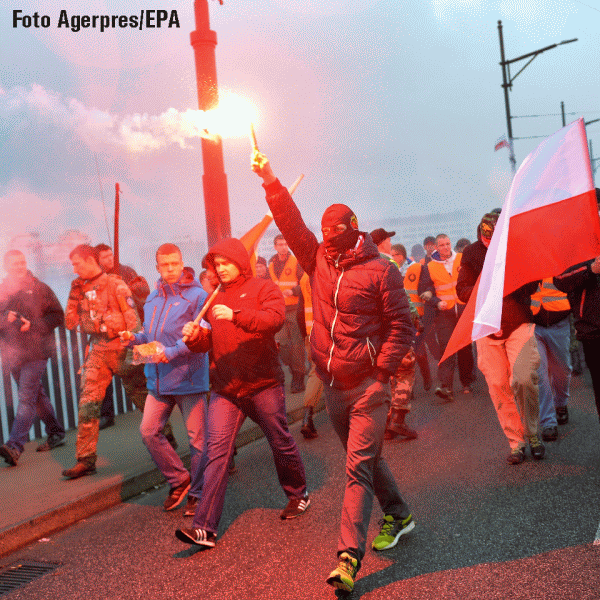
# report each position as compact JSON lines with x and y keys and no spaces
{"x":450,"y":260}
{"x":13,"y":286}
{"x":186,"y":280}
{"x":363,"y":250}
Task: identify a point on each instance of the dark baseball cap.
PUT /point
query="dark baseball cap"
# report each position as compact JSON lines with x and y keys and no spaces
{"x":379,"y":235}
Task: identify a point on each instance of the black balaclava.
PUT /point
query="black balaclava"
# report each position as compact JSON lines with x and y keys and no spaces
{"x":338,"y":214}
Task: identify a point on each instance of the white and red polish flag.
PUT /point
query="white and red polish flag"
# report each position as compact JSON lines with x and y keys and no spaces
{"x":501,"y":142}
{"x":549,"y":221}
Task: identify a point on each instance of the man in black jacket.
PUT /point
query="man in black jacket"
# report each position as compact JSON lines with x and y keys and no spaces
{"x":362,"y":330}
{"x":509,"y":359}
{"x":581,"y":283}
{"x":29,"y":313}
{"x":139,"y":292}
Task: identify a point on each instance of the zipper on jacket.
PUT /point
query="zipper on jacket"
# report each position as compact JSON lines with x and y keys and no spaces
{"x":372,"y":352}
{"x":335,"y":301}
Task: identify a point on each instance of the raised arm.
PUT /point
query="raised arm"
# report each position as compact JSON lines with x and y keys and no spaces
{"x":286,"y":215}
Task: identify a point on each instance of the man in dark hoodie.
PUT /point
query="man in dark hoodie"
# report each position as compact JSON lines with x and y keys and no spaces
{"x":581,"y":283}
{"x":508,"y":359}
{"x":362,"y":330}
{"x":29,"y":313}
{"x":246,"y":381}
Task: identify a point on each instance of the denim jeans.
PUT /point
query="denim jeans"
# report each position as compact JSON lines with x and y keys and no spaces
{"x":358,"y":416}
{"x":225,"y":417}
{"x":156,"y":412}
{"x":555,"y":369}
{"x":32,"y":400}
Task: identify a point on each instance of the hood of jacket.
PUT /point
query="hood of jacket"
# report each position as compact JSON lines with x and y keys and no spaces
{"x":234,"y":251}
{"x":435,"y":256}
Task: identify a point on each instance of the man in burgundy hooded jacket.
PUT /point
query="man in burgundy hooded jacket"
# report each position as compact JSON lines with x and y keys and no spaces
{"x":246,"y":381}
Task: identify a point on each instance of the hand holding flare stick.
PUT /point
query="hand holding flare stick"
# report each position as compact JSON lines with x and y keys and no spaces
{"x":204,"y":309}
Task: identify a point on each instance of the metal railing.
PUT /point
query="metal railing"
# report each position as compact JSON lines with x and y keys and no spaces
{"x":61,"y":381}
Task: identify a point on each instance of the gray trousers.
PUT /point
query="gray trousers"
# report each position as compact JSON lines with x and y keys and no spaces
{"x":358,"y":416}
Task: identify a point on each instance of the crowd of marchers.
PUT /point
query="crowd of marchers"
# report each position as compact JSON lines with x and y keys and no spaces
{"x":351,"y":316}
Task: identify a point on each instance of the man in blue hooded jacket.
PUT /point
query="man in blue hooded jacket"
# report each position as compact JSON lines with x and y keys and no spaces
{"x":178,"y":377}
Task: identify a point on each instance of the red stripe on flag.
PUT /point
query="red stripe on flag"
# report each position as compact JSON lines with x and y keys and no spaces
{"x":545,"y":241}
{"x":542,"y":242}
{"x":461,"y":336}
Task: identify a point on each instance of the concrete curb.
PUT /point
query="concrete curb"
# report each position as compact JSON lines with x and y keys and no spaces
{"x":116,"y":491}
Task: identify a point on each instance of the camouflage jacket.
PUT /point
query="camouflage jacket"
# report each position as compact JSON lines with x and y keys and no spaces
{"x":102,"y":305}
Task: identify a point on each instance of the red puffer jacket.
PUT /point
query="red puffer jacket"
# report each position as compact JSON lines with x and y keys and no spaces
{"x":362,"y":322}
{"x":244,"y":358}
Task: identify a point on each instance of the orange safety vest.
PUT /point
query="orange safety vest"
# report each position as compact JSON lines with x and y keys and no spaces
{"x":444,"y":283}
{"x":411,"y":285}
{"x":549,"y":297}
{"x":308,"y":309}
{"x":288,"y":279}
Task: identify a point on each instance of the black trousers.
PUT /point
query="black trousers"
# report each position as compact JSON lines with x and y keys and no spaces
{"x":591,"y":351}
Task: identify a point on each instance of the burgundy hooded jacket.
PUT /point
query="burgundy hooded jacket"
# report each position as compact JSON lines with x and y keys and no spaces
{"x":244,"y":358}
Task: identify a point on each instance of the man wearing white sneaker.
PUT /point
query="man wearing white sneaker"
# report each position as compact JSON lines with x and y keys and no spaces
{"x":246,"y":381}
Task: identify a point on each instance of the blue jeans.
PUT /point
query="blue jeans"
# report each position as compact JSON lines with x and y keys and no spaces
{"x":32,"y":400}
{"x":555,"y":369}
{"x":358,"y":416}
{"x":156,"y":413}
{"x":225,"y":417}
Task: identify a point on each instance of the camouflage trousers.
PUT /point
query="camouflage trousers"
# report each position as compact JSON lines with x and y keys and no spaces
{"x":402,"y":383}
{"x":105,"y":359}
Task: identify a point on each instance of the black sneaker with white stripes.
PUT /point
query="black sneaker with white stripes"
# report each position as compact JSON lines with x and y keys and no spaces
{"x":200,"y":537}
{"x":295,"y":507}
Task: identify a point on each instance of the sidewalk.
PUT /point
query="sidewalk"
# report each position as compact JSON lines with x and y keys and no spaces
{"x":38,"y":501}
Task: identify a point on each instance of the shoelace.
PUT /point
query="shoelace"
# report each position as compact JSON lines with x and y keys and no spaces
{"x":386,"y":526}
{"x":347,"y":567}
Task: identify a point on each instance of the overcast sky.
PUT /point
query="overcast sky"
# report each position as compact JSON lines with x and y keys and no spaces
{"x":391,"y":107}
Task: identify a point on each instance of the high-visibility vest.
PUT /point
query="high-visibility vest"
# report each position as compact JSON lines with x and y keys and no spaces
{"x":288,"y":279}
{"x":411,"y":285}
{"x":549,"y":297}
{"x":444,"y":283}
{"x":308,"y":309}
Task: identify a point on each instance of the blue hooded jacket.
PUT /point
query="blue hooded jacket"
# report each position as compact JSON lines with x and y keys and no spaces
{"x":167,"y":309}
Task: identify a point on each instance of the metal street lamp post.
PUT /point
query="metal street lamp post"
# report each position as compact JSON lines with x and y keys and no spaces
{"x":507,"y":82}
{"x":214,"y":179}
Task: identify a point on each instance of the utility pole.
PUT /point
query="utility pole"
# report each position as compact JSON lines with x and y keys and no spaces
{"x":506,"y":85}
{"x":562,"y":110}
{"x":507,"y":82}
{"x":214,"y":179}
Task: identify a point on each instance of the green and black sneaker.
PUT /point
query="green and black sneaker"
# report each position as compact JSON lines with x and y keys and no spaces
{"x":391,"y":530}
{"x":342,"y":577}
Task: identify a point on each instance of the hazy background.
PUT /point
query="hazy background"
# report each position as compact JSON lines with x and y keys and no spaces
{"x":391,"y":107}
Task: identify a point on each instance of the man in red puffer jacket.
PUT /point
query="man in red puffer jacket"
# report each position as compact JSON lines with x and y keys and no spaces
{"x":362,"y":330}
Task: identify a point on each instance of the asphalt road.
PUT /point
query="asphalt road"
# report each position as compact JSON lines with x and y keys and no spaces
{"x":484,"y":529}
